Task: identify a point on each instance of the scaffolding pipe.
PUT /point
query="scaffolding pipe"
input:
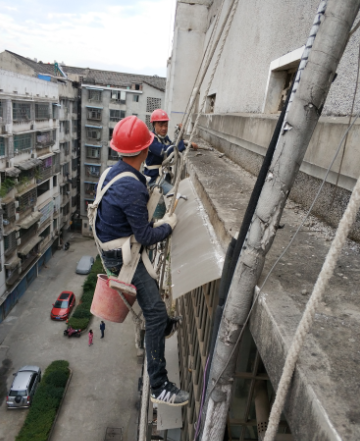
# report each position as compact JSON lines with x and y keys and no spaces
{"x":144,"y":405}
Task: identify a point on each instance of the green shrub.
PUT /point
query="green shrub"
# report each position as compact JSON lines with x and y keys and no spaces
{"x":79,"y":323}
{"x":45,"y":403}
{"x":82,"y":315}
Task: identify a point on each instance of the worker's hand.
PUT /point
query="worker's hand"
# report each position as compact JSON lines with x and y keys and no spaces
{"x":169,"y":219}
{"x":194,"y":145}
{"x":180,"y":126}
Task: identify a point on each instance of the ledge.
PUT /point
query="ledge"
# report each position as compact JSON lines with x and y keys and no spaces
{"x":323,"y":402}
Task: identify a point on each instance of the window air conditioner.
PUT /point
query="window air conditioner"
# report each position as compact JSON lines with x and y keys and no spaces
{"x":16,"y":204}
{"x":18,"y":242}
{"x":17,"y":234}
{"x":17,"y":216}
{"x":114,"y":96}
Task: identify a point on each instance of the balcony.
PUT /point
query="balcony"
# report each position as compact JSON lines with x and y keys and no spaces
{"x":28,"y":262}
{"x":13,"y":278}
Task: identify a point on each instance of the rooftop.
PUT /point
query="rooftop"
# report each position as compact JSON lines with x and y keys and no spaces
{"x":95,"y":76}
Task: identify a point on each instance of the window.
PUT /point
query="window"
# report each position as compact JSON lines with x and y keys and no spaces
{"x":27,"y":201}
{"x":281,"y":74}
{"x":136,"y":98}
{"x":55,"y":111}
{"x":54,"y":135}
{"x":42,"y":111}
{"x":90,"y":189}
{"x":74,"y":126}
{"x":9,"y":243}
{"x":137,"y":87}
{"x":94,"y":113}
{"x":110,"y":133}
{"x":44,"y":139}
{"x":93,"y":133}
{"x":116,"y":115}
{"x":66,"y":169}
{"x":147,"y":122}
{"x":95,"y":95}
{"x":112,"y":155}
{"x":54,"y":181}
{"x":21,"y":112}
{"x":75,"y":145}
{"x":23,"y":142}
{"x":210,"y":103}
{"x":46,"y":232}
{"x":65,"y":127}
{"x":92,"y":152}
{"x":120,"y":96}
{"x":46,"y":212}
{"x":74,"y":163}
{"x":92,"y":171}
{"x":75,"y":107}
{"x":45,"y":170}
{"x":43,"y":188}
{"x":65,"y":147}
{"x":152,"y":104}
{"x":2,"y":146}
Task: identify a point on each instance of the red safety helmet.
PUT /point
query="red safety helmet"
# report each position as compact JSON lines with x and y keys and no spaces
{"x":159,"y":115}
{"x":130,"y":136}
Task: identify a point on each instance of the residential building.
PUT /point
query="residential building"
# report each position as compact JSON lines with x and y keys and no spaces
{"x":106,"y":98}
{"x":37,"y":147}
{"x":258,"y":63}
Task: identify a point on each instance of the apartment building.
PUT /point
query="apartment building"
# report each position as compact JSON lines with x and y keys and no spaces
{"x":106,"y":98}
{"x":38,"y":165}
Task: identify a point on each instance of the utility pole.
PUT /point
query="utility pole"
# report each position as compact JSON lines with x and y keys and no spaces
{"x":301,"y":121}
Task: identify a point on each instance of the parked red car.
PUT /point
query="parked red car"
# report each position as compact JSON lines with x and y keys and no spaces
{"x":63,"y":306}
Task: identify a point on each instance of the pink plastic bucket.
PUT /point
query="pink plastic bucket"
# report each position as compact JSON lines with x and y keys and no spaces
{"x":107,"y":303}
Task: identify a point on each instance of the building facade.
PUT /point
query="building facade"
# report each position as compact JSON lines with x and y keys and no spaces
{"x":106,"y":98}
{"x":38,"y":151}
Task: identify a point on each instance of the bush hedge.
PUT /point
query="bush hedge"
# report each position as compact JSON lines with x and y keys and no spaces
{"x":82,"y":315}
{"x":45,"y":403}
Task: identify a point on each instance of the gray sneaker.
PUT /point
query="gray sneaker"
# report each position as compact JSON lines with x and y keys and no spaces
{"x":169,"y":394}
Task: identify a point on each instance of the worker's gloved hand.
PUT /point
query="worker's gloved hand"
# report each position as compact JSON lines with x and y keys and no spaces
{"x":170,"y":219}
{"x":194,"y":145}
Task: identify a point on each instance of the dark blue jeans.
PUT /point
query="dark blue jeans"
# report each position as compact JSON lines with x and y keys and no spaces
{"x":156,"y":319}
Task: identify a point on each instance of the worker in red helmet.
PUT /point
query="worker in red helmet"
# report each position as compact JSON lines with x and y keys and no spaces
{"x":122,"y":213}
{"x":160,"y":148}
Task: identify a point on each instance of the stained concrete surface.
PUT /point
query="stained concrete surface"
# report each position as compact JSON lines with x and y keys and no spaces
{"x":323,"y":403}
{"x":103,"y":388}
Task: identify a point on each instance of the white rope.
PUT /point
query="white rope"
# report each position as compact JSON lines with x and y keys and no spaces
{"x":308,"y":317}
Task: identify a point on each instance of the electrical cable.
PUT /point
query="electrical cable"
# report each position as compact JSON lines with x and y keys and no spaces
{"x":278,"y":260}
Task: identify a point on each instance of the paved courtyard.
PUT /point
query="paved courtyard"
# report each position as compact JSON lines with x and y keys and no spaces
{"x":103,"y":388}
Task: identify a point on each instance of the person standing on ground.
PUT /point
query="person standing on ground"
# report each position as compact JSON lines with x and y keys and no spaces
{"x":122,"y":213}
{"x":102,"y":329}
{"x":160,"y":148}
{"x":91,"y":335}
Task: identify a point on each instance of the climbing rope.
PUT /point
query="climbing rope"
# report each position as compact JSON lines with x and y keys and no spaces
{"x":308,"y":317}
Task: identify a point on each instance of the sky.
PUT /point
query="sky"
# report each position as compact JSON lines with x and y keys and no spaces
{"x":123,"y":35}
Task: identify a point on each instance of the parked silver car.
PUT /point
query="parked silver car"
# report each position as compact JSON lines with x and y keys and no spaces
{"x":84,"y":265}
{"x":23,"y":387}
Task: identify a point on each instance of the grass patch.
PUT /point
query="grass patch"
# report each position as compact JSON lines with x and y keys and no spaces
{"x":46,"y":402}
{"x":82,"y":315}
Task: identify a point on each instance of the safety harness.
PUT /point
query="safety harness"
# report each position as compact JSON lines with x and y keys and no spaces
{"x":128,"y":245}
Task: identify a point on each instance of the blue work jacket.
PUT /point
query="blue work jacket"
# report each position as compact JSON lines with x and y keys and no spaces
{"x":158,"y":150}
{"x":123,"y":209}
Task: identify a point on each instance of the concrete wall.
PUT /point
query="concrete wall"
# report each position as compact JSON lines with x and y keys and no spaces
{"x":189,"y":36}
{"x":261,"y":32}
